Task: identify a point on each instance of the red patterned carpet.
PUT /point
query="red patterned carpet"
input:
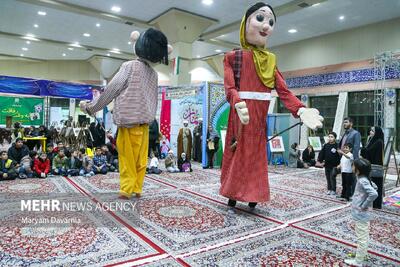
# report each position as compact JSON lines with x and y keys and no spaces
{"x":181,"y":220}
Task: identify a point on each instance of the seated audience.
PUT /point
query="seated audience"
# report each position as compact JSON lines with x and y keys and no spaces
{"x":17,"y":151}
{"x":41,"y":165}
{"x":99,"y":162}
{"x":308,"y":156}
{"x":184,"y":164}
{"x":87,"y":164}
{"x":74,"y":163}
{"x":7,"y":167}
{"x":153,"y":167}
{"x":60,"y":163}
{"x":170,"y":162}
{"x":26,"y":165}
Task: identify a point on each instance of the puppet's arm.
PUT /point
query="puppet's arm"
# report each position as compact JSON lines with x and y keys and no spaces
{"x":231,"y":92}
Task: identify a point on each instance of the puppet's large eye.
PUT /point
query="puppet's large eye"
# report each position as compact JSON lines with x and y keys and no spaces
{"x":271,"y":22}
{"x":260,"y":18}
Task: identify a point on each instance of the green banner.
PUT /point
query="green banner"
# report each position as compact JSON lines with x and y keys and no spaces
{"x":26,"y":110}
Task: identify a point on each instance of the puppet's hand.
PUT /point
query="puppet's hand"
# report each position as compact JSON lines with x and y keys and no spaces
{"x":82,"y":106}
{"x":310,"y":117}
{"x":243,"y":112}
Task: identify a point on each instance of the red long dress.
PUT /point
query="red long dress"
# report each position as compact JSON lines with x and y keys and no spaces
{"x":244,"y":175}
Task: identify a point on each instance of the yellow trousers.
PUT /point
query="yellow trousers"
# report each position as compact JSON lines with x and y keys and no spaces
{"x":132,"y":144}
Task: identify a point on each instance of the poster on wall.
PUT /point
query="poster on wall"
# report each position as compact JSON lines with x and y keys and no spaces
{"x":315,"y":142}
{"x":187,"y":108}
{"x":26,"y":110}
{"x":276,"y":144}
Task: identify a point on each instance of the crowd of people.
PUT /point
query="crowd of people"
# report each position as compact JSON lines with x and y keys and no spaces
{"x":339,"y":156}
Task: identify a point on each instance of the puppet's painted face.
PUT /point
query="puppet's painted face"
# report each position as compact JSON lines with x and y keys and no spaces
{"x":259,"y":26}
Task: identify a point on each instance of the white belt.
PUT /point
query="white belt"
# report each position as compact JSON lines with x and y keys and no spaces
{"x":254,"y":95}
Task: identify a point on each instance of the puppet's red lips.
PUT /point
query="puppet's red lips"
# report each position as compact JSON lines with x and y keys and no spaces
{"x":263,"y":34}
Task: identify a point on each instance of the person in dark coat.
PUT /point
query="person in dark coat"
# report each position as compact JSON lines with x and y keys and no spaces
{"x":212,"y":145}
{"x":197,"y":140}
{"x":373,"y":151}
{"x":17,"y":151}
{"x":308,"y":156}
{"x":153,"y":136}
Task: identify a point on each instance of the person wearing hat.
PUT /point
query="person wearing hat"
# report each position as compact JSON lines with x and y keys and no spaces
{"x":185,"y":140}
{"x":242,"y":177}
{"x":135,"y":91}
{"x":197,"y":139}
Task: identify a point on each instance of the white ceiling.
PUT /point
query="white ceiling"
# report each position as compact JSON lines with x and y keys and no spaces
{"x":17,"y":17}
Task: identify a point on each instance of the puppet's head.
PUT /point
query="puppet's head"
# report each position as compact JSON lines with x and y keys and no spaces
{"x":151,"y":45}
{"x":257,"y":25}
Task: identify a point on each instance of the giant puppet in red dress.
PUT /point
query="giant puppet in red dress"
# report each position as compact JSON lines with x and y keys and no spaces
{"x":244,"y":174}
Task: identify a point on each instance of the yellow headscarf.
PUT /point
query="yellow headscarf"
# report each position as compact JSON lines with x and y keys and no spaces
{"x":264,"y":61}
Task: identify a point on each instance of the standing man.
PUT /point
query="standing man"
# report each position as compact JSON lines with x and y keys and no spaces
{"x":153,"y":137}
{"x":135,"y":91}
{"x":185,"y":141}
{"x":197,"y":140}
{"x":353,"y":137}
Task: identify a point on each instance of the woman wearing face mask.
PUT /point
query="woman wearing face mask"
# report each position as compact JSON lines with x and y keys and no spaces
{"x":373,"y":151}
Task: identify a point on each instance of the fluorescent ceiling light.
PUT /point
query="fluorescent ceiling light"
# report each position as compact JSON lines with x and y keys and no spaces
{"x":198,"y":56}
{"x":316,"y":4}
{"x":86,"y":34}
{"x":24,"y":48}
{"x":207,"y":2}
{"x":115,"y":51}
{"x":42,"y":13}
{"x":108,"y":54}
{"x":35,"y":25}
{"x":129,"y":43}
{"x":341,"y":17}
{"x":21,"y":55}
{"x":70,"y":48}
{"x":27,"y":37}
{"x":218,"y":50}
{"x":292,"y":31}
{"x":76,"y":44}
{"x":64,"y":54}
{"x":116,"y":9}
{"x":28,"y":42}
{"x":98,"y":25}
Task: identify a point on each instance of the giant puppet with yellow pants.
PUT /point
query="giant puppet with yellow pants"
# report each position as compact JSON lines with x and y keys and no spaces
{"x":135,"y":90}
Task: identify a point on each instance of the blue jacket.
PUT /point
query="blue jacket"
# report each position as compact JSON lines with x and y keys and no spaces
{"x":364,"y":194}
{"x":354,"y":138}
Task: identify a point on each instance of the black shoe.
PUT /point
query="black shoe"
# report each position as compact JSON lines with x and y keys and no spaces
{"x":252,"y":204}
{"x":231,"y":203}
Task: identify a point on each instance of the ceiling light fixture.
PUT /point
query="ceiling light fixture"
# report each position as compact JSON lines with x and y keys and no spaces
{"x":24,"y":48}
{"x":116,"y":9}
{"x":207,"y":2}
{"x":86,"y":34}
{"x":29,"y":37}
{"x":341,"y":17}
{"x":98,"y":25}
{"x":198,"y":56}
{"x":292,"y":31}
{"x":28,"y":42}
{"x":64,"y":54}
{"x":218,"y":50}
{"x":21,"y":55}
{"x":42,"y":13}
{"x":76,"y":44}
{"x":115,"y":51}
{"x":316,"y":4}
{"x":108,"y":54}
{"x":35,"y":25}
{"x":129,"y":43}
{"x":70,"y":48}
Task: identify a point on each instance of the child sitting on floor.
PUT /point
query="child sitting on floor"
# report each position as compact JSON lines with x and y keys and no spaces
{"x":7,"y":167}
{"x":87,"y":164}
{"x":26,"y":168}
{"x":184,"y":164}
{"x":170,"y":162}
{"x":153,"y":167}
{"x":99,"y":162}
{"x":41,"y":165}
{"x":74,"y":164}
{"x":60,"y":163}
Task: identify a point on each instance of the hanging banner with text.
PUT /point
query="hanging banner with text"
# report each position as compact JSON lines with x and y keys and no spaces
{"x":26,"y":110}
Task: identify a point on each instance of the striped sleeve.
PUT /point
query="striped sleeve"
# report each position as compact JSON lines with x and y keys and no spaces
{"x":113,"y":89}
